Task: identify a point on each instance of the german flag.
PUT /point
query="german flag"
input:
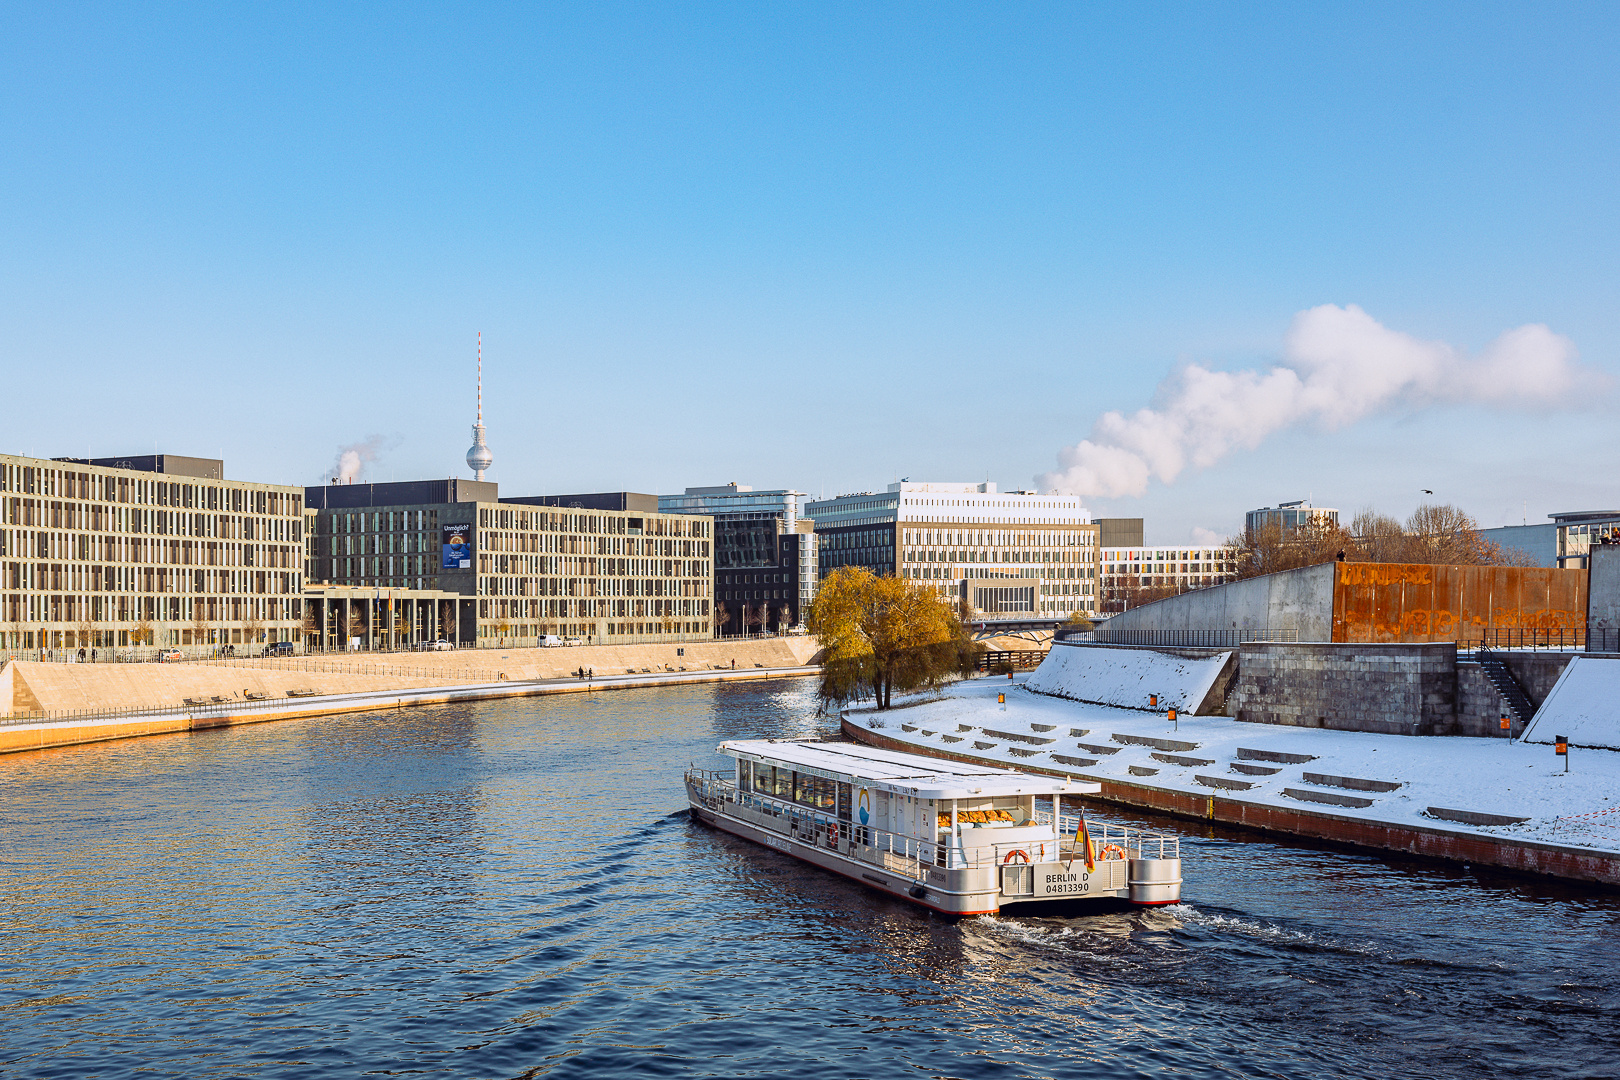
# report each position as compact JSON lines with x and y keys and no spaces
{"x":1082,"y":835}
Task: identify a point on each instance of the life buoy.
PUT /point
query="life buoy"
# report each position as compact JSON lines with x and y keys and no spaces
{"x":1113,"y":851}
{"x":1023,"y":856}
{"x":832,"y":836}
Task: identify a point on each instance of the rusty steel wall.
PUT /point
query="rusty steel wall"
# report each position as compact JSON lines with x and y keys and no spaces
{"x":1393,"y":602}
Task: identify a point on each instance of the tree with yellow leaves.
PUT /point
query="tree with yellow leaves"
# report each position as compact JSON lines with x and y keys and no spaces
{"x":882,"y":634}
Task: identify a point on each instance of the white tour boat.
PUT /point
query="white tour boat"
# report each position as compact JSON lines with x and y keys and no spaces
{"x":960,"y":839}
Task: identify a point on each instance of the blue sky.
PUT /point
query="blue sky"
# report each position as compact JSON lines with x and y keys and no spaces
{"x":819,"y":246}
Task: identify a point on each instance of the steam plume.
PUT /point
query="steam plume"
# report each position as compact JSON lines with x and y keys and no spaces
{"x":353,"y":458}
{"x":1339,"y":364}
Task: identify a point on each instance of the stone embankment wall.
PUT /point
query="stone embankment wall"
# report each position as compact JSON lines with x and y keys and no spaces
{"x":1407,"y":689}
{"x":1391,"y":689}
{"x":28,"y":687}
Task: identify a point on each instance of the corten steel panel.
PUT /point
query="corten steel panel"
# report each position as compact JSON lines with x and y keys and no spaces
{"x":1402,"y":602}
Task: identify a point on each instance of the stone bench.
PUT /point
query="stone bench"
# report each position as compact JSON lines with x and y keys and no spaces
{"x":1355,"y":783}
{"x":1157,"y":744}
{"x":1326,"y":797}
{"x":1274,"y":755}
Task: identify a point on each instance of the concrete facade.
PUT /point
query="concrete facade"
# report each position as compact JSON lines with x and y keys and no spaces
{"x":1018,"y":551}
{"x":1603,"y":589}
{"x":1295,"y":600}
{"x":595,"y":568}
{"x":99,"y":556}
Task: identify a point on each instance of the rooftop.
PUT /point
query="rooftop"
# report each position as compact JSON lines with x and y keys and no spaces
{"x":908,"y":774}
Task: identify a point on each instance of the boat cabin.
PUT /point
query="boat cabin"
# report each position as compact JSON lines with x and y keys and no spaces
{"x":940,"y":812}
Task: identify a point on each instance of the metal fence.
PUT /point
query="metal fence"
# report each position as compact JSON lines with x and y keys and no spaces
{"x":1192,"y":639}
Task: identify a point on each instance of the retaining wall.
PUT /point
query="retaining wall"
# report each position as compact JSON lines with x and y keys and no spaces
{"x":1294,"y":599}
{"x":1391,"y":689}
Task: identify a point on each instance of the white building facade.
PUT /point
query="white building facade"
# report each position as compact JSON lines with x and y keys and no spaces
{"x":1003,"y":553}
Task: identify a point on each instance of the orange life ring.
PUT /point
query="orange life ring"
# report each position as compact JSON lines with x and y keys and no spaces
{"x":1113,"y":851}
{"x":1022,"y":855}
{"x":832,"y":836}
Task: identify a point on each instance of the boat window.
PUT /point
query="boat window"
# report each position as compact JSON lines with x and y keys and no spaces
{"x":745,"y":775}
{"x":816,"y":792}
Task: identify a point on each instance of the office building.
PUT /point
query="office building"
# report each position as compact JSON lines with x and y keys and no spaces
{"x":1128,"y":573}
{"x":159,"y":549}
{"x":604,"y":567}
{"x":765,"y":569}
{"x":1289,"y":516}
{"x":1580,"y":530}
{"x":1002,"y":553}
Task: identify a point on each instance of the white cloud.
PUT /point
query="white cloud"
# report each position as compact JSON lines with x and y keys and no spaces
{"x":1202,"y":537}
{"x":1339,"y":365}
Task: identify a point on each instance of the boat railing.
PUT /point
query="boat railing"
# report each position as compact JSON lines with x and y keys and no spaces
{"x":1107,"y":839}
{"x":900,"y":853}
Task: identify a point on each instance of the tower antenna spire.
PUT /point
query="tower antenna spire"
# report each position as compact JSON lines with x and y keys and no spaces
{"x":479,"y":457}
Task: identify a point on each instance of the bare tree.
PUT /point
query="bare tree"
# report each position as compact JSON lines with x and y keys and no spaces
{"x":721,"y":615}
{"x":753,"y":615}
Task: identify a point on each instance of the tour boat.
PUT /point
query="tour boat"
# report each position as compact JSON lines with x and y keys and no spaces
{"x":959,"y":839}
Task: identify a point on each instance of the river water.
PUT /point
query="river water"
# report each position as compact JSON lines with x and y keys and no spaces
{"x":513,"y":889}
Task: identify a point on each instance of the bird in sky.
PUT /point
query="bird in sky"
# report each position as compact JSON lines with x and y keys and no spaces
{"x":1426,"y":491}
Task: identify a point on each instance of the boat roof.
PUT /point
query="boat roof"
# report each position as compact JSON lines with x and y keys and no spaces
{"x":907,"y":774}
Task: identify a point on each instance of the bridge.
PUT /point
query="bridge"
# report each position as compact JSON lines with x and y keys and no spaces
{"x":1030,"y":629}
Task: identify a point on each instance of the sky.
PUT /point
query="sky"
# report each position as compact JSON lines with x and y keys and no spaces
{"x":1340,"y":252}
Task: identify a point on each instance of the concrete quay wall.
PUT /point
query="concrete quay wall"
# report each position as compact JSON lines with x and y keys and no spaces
{"x":19,"y":737}
{"x":1520,"y":856}
{"x":28,"y":687}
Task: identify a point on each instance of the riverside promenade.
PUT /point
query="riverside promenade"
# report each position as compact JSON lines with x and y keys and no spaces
{"x":44,"y":705}
{"x":23,"y":734}
{"x":1491,"y":802}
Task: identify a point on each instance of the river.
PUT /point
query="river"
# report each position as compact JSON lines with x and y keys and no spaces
{"x":513,"y":889}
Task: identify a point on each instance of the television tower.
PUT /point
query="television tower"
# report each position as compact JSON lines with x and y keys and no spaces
{"x":479,"y":458}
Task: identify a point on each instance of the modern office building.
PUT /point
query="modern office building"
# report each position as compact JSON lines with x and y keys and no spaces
{"x":158,"y":550}
{"x":1128,"y":570}
{"x":603,"y":567}
{"x":1580,"y":530}
{"x":1001,"y":552}
{"x":1289,"y":516}
{"x":765,"y":570}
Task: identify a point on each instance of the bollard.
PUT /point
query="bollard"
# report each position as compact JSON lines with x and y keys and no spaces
{"x":1001,"y":699}
{"x":1173,"y":719}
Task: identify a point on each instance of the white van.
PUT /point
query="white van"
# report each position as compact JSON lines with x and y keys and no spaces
{"x":548,"y":641}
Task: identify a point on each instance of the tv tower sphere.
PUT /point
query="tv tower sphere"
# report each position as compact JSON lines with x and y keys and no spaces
{"x":479,"y":458}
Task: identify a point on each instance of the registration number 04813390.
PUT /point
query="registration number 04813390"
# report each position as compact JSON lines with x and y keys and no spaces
{"x":1063,"y":883}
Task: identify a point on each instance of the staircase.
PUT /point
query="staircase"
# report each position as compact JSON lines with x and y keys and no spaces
{"x":1518,"y":702}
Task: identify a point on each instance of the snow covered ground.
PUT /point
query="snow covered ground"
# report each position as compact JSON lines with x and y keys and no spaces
{"x":1582,"y":705}
{"x":1126,"y":677}
{"x":1489,"y":776}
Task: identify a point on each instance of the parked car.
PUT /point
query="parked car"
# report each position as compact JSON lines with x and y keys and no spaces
{"x":169,"y":654}
{"x":279,"y":648}
{"x":440,"y":645}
